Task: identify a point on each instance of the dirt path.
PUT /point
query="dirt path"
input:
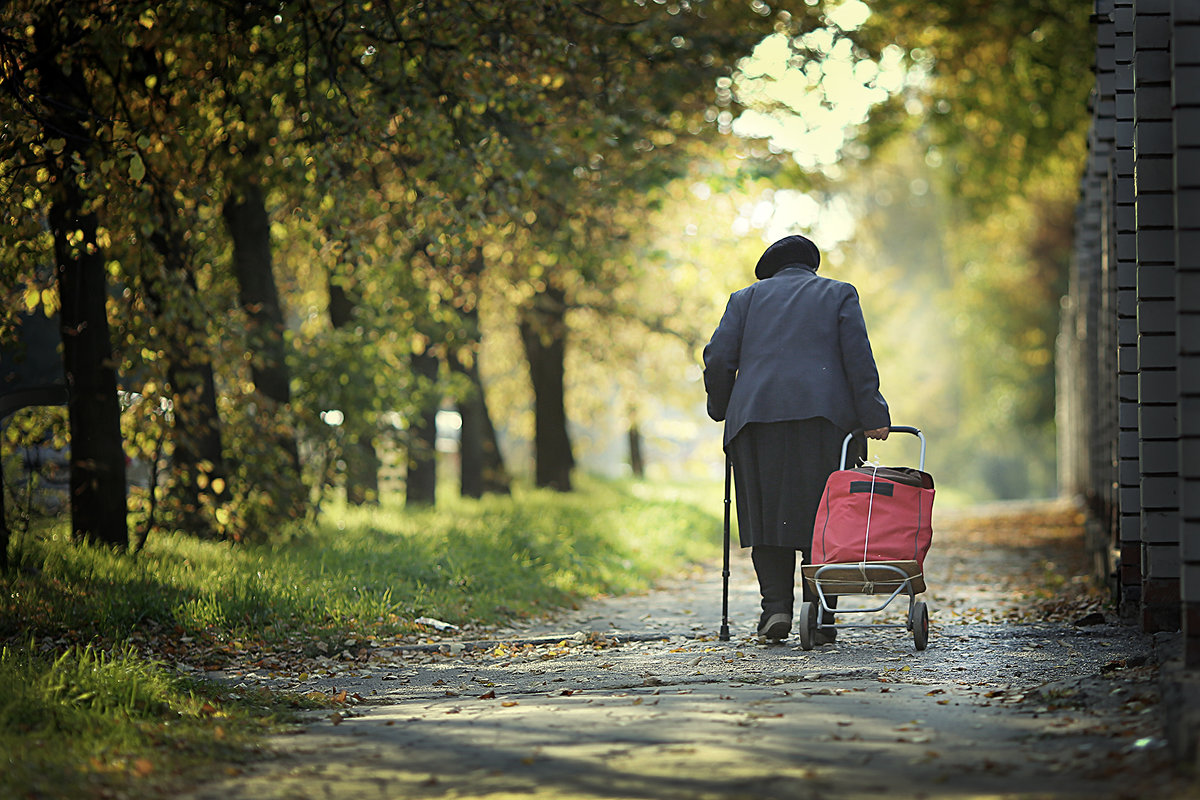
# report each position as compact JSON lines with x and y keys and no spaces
{"x":633,"y":697}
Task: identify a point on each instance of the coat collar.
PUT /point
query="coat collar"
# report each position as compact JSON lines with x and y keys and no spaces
{"x":793,"y":269}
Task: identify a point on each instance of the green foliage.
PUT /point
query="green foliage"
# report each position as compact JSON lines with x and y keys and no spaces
{"x":432,"y":162}
{"x":1005,"y":92}
{"x":395,"y":143}
{"x":961,"y":179}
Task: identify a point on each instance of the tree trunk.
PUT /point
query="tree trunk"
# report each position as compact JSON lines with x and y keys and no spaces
{"x":4,"y":535}
{"x":245,"y":214}
{"x":362,"y":462}
{"x":637,"y":461}
{"x":250,"y":228}
{"x":544,"y":335}
{"x":470,"y":440}
{"x":481,"y":466}
{"x":196,"y":429}
{"x":421,"y":482}
{"x":97,"y":482}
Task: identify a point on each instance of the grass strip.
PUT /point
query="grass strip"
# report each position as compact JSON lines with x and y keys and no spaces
{"x":86,"y":722}
{"x":92,"y":697}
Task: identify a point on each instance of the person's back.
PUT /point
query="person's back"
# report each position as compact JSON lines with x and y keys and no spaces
{"x":790,"y":371}
{"x":791,"y":362}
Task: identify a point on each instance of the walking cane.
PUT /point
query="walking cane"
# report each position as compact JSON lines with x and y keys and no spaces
{"x":724,"y":635}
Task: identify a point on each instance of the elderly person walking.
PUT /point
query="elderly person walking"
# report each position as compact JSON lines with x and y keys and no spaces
{"x":790,"y":371}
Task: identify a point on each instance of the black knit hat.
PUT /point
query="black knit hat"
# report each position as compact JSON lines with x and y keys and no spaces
{"x":788,"y":250}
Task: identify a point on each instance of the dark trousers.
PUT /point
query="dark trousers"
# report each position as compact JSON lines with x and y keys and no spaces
{"x":780,"y":470}
{"x":776,"y":571}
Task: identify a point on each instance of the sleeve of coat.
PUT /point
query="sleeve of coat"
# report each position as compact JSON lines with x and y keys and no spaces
{"x":721,"y":359}
{"x":859,"y":364}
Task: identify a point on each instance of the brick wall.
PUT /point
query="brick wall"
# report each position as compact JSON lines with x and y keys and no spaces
{"x":1107,"y":397}
{"x":1130,"y":336}
{"x":1185,"y":101}
{"x":1089,"y":401}
{"x":1129,"y":477}
{"x":1154,"y":213}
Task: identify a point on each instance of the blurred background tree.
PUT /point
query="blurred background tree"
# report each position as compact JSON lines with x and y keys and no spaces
{"x":332,"y":246}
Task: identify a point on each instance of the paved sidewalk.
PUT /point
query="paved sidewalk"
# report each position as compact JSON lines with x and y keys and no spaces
{"x":634,"y":697}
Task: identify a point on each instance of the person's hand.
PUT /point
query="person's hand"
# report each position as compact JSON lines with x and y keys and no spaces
{"x":879,"y":433}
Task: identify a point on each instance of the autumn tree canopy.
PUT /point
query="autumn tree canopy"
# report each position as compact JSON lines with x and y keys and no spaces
{"x":279,"y":238}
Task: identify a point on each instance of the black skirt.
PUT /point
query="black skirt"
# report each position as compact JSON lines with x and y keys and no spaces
{"x":779,"y":470}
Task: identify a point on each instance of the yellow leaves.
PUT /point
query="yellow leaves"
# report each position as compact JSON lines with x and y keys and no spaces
{"x":216,"y":484}
{"x":33,"y":298}
{"x":148,"y":18}
{"x":137,"y":168}
{"x":338,"y":698}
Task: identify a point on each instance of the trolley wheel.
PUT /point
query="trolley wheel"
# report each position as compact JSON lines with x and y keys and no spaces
{"x":920,"y":624}
{"x":808,"y":625}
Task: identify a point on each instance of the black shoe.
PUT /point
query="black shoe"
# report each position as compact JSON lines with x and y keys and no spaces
{"x":775,"y":628}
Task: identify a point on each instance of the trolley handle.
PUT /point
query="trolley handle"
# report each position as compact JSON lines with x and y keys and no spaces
{"x":894,"y":429}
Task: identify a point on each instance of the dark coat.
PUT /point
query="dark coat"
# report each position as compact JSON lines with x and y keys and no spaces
{"x":793,"y":346}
